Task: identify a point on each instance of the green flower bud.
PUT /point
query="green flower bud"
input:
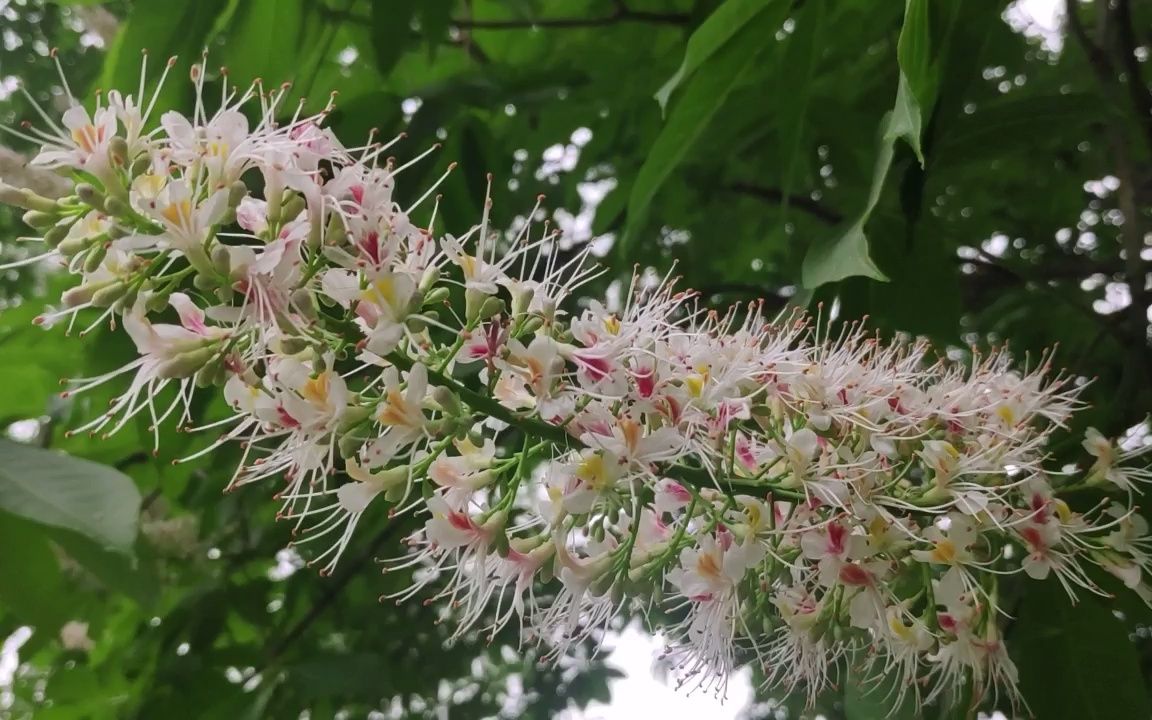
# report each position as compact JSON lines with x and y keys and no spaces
{"x":204,"y":282}
{"x":118,"y":151}
{"x":436,"y":295}
{"x":237,"y":191}
{"x":39,"y":220}
{"x":186,"y":364}
{"x":94,"y":257}
{"x":430,"y":277}
{"x":104,"y":297}
{"x":90,"y":195}
{"x":531,"y":325}
{"x":156,"y":302}
{"x":54,"y":234}
{"x":447,"y":401}
{"x":116,"y":207}
{"x":222,"y":260}
{"x":140,"y":166}
{"x":293,"y":206}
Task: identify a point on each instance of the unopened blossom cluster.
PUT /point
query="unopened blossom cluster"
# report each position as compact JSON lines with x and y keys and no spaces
{"x":760,"y":489}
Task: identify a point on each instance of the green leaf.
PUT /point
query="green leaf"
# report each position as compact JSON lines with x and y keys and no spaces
{"x":33,"y":587}
{"x":847,"y":255}
{"x":1076,"y":661}
{"x":165,"y":28}
{"x":62,"y":491}
{"x":796,"y":77}
{"x":391,"y":32}
{"x":702,"y":99}
{"x":917,"y":89}
{"x":262,"y":36}
{"x":713,"y":34}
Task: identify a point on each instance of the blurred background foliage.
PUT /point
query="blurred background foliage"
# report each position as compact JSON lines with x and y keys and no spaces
{"x":974,"y":171}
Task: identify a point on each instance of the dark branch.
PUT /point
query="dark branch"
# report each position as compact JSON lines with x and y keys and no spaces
{"x":800,"y":202}
{"x":1137,"y":90}
{"x":621,"y":15}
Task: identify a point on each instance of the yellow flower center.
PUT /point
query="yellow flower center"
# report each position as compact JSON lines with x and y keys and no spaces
{"x":944,"y":552}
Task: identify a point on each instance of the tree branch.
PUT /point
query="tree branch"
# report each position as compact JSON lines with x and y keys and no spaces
{"x":801,"y":202}
{"x":621,"y":14}
{"x":1137,"y":90}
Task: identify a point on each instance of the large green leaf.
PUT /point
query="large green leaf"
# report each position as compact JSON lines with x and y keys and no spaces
{"x":262,"y":37}
{"x":796,"y":80}
{"x":67,"y":492}
{"x":695,"y":110}
{"x":164,"y":28}
{"x":847,"y":255}
{"x":713,"y":34}
{"x":1076,"y":661}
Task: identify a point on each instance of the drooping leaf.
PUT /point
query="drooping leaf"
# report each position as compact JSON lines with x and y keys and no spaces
{"x":847,"y":255}
{"x":713,"y":35}
{"x":918,"y":81}
{"x":62,"y":491}
{"x":1076,"y":661}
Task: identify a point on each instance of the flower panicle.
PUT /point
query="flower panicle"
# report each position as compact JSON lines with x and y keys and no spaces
{"x":803,"y":501}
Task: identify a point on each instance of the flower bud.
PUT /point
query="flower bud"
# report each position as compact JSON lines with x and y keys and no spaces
{"x":436,"y":295}
{"x":204,"y":282}
{"x":349,"y":445}
{"x":94,"y":257}
{"x":293,"y":206}
{"x":473,"y":303}
{"x":156,"y":302}
{"x":448,"y":402}
{"x":116,"y":207}
{"x":429,"y":279}
{"x":521,"y":299}
{"x":187,"y":363}
{"x":25,"y":199}
{"x":90,"y":195}
{"x":104,"y":297}
{"x":54,"y":234}
{"x":492,"y":307}
{"x":237,"y":191}
{"x":140,"y":166}
{"x":305,"y":305}
{"x":118,"y":151}
{"x":81,"y":294}
{"x":39,"y":220}
{"x":531,"y":325}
